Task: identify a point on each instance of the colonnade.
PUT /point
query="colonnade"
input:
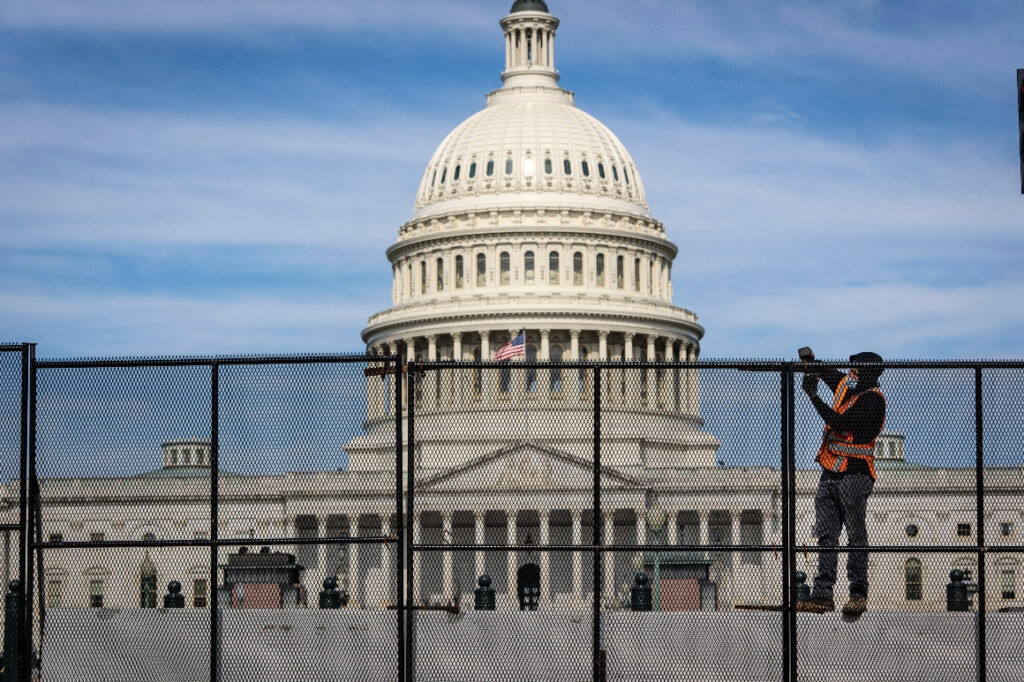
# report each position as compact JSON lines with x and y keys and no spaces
{"x":650,"y":388}
{"x":527,"y":530}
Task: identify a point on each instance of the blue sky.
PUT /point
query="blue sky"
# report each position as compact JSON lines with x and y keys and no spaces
{"x":224,"y":177}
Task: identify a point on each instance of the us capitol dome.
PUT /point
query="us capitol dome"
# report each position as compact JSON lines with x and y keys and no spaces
{"x":531,"y":216}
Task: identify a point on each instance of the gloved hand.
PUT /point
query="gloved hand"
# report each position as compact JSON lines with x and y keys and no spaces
{"x":811,"y":384}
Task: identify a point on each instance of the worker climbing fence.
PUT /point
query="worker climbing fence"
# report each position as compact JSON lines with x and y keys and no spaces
{"x":349,"y":516}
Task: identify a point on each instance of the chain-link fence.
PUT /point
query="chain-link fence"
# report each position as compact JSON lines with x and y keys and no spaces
{"x":344,"y":517}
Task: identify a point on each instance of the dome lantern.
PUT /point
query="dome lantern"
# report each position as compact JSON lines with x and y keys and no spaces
{"x":529,"y":45}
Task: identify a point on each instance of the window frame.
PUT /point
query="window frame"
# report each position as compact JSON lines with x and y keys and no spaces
{"x":913,"y":579}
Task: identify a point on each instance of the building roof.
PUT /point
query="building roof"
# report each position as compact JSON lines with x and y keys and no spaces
{"x":183,"y":472}
{"x":528,"y":6}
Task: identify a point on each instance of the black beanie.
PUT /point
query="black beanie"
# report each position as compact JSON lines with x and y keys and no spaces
{"x":868,"y":375}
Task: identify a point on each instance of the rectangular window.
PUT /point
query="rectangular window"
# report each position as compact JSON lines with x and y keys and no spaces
{"x":56,"y":537}
{"x":1006,"y":529}
{"x":199,"y":593}
{"x":423,"y":276}
{"x":1008,"y":579}
{"x":636,"y":274}
{"x":600,"y":270}
{"x":440,"y":269}
{"x":619,"y":272}
{"x":53,"y":593}
{"x":96,"y":594}
{"x":963,"y":529}
{"x":96,"y":537}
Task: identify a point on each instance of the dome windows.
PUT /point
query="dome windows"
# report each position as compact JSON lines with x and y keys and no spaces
{"x":585,"y":167}
{"x":444,"y":174}
{"x":547,"y":167}
{"x":528,"y":167}
{"x":490,"y":167}
{"x":615,"y":173}
{"x":567,"y":167}
{"x":504,"y":264}
{"x":458,"y":170}
{"x":577,"y":269}
{"x":472,"y":170}
{"x":481,"y":270}
{"x":600,"y":170}
{"x":459,"y":272}
{"x":636,"y":274}
{"x":433,"y":179}
{"x":600,"y":269}
{"x":440,"y":274}
{"x":508,"y":166}
{"x":620,"y":275}
{"x":553,"y":277}
{"x":528,"y":271}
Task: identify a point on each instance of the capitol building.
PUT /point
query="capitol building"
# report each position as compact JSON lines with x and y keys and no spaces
{"x":531,"y":216}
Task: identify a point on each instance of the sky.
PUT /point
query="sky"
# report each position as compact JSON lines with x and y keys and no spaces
{"x":213,"y":177}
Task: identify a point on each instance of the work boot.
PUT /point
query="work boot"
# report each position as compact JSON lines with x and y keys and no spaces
{"x":816,"y":605}
{"x":855,"y":606}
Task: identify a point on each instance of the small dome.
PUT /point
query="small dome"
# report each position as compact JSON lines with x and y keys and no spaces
{"x":528,"y":6}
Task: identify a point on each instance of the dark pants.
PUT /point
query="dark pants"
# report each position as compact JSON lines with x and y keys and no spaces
{"x":841,"y":500}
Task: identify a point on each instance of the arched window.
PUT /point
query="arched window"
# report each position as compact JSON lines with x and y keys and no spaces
{"x":508,"y":166}
{"x":567,"y":167}
{"x":528,"y":267}
{"x":600,"y":269}
{"x":577,"y":269}
{"x":556,"y":371}
{"x":433,"y":178}
{"x":625,"y":174}
{"x":455,"y":175}
{"x":553,"y":267}
{"x":440,"y":274}
{"x":444,"y":174}
{"x":458,"y":272}
{"x":472,"y":170}
{"x":481,"y":269}
{"x":547,"y":166}
{"x":650,"y":277}
{"x":505,"y":263}
{"x":620,"y":275}
{"x":423,"y":276}
{"x":600,"y":170}
{"x":615,"y":173}
{"x":586,"y":169}
{"x":912,"y":579}
{"x":490,"y":167}
{"x":636,"y":274}
{"x":531,"y":373}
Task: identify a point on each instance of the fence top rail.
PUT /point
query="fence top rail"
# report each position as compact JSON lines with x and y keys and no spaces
{"x":752,"y":365}
{"x":7,"y":347}
{"x":193,"y":361}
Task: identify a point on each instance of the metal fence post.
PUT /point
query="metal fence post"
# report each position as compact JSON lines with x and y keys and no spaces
{"x":786,"y":434}
{"x":31,"y":523}
{"x":26,"y":422}
{"x":214,"y":514}
{"x":403,"y":535}
{"x":410,"y":444}
{"x":980,"y":493}
{"x":599,"y":662}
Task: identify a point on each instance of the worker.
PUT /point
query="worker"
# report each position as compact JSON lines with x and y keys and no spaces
{"x":852,"y":423}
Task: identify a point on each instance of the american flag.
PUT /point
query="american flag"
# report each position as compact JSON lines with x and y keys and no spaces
{"x":516,"y":348}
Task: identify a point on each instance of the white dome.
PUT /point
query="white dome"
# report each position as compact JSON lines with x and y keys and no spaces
{"x":531,"y":145}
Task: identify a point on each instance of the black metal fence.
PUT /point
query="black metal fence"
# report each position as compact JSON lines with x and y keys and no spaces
{"x":633,"y":520}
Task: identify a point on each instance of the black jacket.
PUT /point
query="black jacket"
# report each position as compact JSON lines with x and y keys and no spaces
{"x":864,"y":420}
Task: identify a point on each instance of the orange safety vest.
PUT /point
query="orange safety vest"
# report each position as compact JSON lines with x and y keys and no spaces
{"x":836,"y":446}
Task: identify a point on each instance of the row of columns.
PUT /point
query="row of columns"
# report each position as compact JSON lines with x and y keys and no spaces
{"x":608,"y":530}
{"x":540,"y":53}
{"x":651,"y":387}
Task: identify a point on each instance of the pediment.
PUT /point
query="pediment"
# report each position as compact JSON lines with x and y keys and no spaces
{"x":526,"y":466}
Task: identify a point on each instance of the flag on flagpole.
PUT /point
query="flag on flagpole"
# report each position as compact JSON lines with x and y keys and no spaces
{"x":516,"y":348}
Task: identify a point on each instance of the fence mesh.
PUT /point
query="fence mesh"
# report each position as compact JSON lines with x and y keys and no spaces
{"x":613,"y":521}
